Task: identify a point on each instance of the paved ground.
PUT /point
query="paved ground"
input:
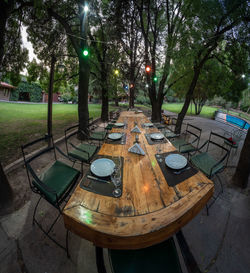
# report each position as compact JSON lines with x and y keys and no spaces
{"x":220,"y":242}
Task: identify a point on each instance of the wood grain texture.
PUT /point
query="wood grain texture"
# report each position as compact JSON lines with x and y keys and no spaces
{"x":149,"y":211}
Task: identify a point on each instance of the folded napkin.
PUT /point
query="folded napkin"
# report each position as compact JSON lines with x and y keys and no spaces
{"x":136,"y":130}
{"x":136,"y":148}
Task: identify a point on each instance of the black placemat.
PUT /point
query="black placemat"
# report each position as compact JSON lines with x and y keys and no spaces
{"x":103,"y":188}
{"x":171,"y":178}
{"x":152,"y":142}
{"x":120,"y":141}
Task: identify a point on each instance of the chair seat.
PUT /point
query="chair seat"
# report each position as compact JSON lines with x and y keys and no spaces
{"x":59,"y":177}
{"x":77,"y":154}
{"x":205,"y":162}
{"x":98,"y":135}
{"x":183,"y":149}
{"x":109,"y":126}
{"x":160,"y":258}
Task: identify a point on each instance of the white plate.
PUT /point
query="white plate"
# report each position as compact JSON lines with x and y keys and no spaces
{"x":102,"y":167}
{"x":119,"y":124}
{"x":139,"y":111}
{"x":148,"y":124}
{"x":115,"y":136}
{"x":176,"y":161}
{"x":157,"y":136}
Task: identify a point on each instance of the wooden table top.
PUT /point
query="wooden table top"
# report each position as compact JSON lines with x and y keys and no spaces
{"x":149,"y":211}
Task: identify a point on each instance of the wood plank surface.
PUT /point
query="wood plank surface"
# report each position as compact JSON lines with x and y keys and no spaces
{"x":149,"y":211}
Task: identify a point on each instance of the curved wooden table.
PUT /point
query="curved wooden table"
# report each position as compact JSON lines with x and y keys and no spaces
{"x":149,"y":211}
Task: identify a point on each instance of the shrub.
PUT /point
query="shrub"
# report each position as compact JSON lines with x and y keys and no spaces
{"x":34,"y":90}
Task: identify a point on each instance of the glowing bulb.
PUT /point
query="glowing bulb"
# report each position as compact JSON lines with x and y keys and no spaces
{"x":86,"y":8}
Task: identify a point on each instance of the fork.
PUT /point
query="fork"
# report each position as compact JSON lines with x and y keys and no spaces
{"x":183,"y":170}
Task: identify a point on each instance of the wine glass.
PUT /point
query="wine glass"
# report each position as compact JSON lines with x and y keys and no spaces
{"x":116,"y":180}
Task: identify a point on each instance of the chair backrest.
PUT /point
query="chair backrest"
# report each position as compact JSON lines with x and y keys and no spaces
{"x":70,"y":132}
{"x":32,"y":156}
{"x":194,"y":131}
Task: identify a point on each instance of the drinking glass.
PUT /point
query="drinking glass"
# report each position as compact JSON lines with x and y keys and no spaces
{"x":116,"y":180}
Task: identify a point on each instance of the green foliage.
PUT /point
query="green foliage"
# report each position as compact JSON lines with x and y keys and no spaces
{"x":34,"y":90}
{"x":142,"y":98}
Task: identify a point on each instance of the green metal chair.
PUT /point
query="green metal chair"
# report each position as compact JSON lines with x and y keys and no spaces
{"x":83,"y":152}
{"x":170,"y":127}
{"x":207,"y":163}
{"x":52,"y":185}
{"x":189,"y":143}
{"x":160,"y":258}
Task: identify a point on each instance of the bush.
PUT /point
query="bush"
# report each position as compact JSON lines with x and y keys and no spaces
{"x":34,"y":90}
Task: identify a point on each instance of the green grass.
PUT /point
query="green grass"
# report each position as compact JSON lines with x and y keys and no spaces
{"x":21,"y":123}
{"x":207,"y":111}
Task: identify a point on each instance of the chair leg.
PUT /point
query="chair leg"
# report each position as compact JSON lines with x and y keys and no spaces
{"x":34,"y":221}
{"x":99,"y":260}
{"x":34,"y":213}
{"x":207,"y":210}
{"x":190,"y":262}
{"x":67,"y":244}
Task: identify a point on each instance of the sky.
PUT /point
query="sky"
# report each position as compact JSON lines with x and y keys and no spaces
{"x":29,"y":46}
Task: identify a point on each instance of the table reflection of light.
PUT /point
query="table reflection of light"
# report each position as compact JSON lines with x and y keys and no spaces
{"x":145,"y":188}
{"x":85,"y":216}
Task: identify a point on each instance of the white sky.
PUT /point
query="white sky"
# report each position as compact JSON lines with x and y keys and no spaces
{"x":29,"y":46}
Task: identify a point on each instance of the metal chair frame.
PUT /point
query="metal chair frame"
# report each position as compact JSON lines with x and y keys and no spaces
{"x":70,"y":132}
{"x":207,"y":144}
{"x":59,"y":201}
{"x":190,"y":131}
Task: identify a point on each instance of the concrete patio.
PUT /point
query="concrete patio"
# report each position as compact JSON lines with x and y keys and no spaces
{"x":219,"y":242}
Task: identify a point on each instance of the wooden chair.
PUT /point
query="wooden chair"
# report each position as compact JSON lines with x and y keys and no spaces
{"x":207,"y":163}
{"x":83,"y":152}
{"x":189,"y":143}
{"x":53,"y":185}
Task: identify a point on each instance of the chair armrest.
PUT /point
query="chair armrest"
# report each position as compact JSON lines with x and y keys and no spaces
{"x":79,"y":149}
{"x":62,"y":153}
{"x":219,"y":162}
{"x":203,"y":145}
{"x":86,"y":135}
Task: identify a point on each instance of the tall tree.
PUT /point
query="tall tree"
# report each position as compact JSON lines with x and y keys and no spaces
{"x":162,"y":24}
{"x":215,"y":21}
{"x":10,"y":41}
{"x":73,"y":18}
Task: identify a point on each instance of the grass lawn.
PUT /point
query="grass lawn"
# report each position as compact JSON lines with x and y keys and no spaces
{"x":21,"y":123}
{"x":207,"y":111}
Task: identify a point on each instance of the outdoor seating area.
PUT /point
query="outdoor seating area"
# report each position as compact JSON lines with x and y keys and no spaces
{"x":96,"y":197}
{"x":124,"y":137}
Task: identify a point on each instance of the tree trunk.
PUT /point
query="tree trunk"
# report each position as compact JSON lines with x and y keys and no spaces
{"x":242,"y":172}
{"x":6,"y":194}
{"x":188,"y":98}
{"x":156,"y":110}
{"x":116,"y":100}
{"x":131,"y":97}
{"x":83,"y":86}
{"x":50,"y":97}
{"x":105,"y":105}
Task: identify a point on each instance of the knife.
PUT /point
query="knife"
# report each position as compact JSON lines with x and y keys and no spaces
{"x":97,"y":179}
